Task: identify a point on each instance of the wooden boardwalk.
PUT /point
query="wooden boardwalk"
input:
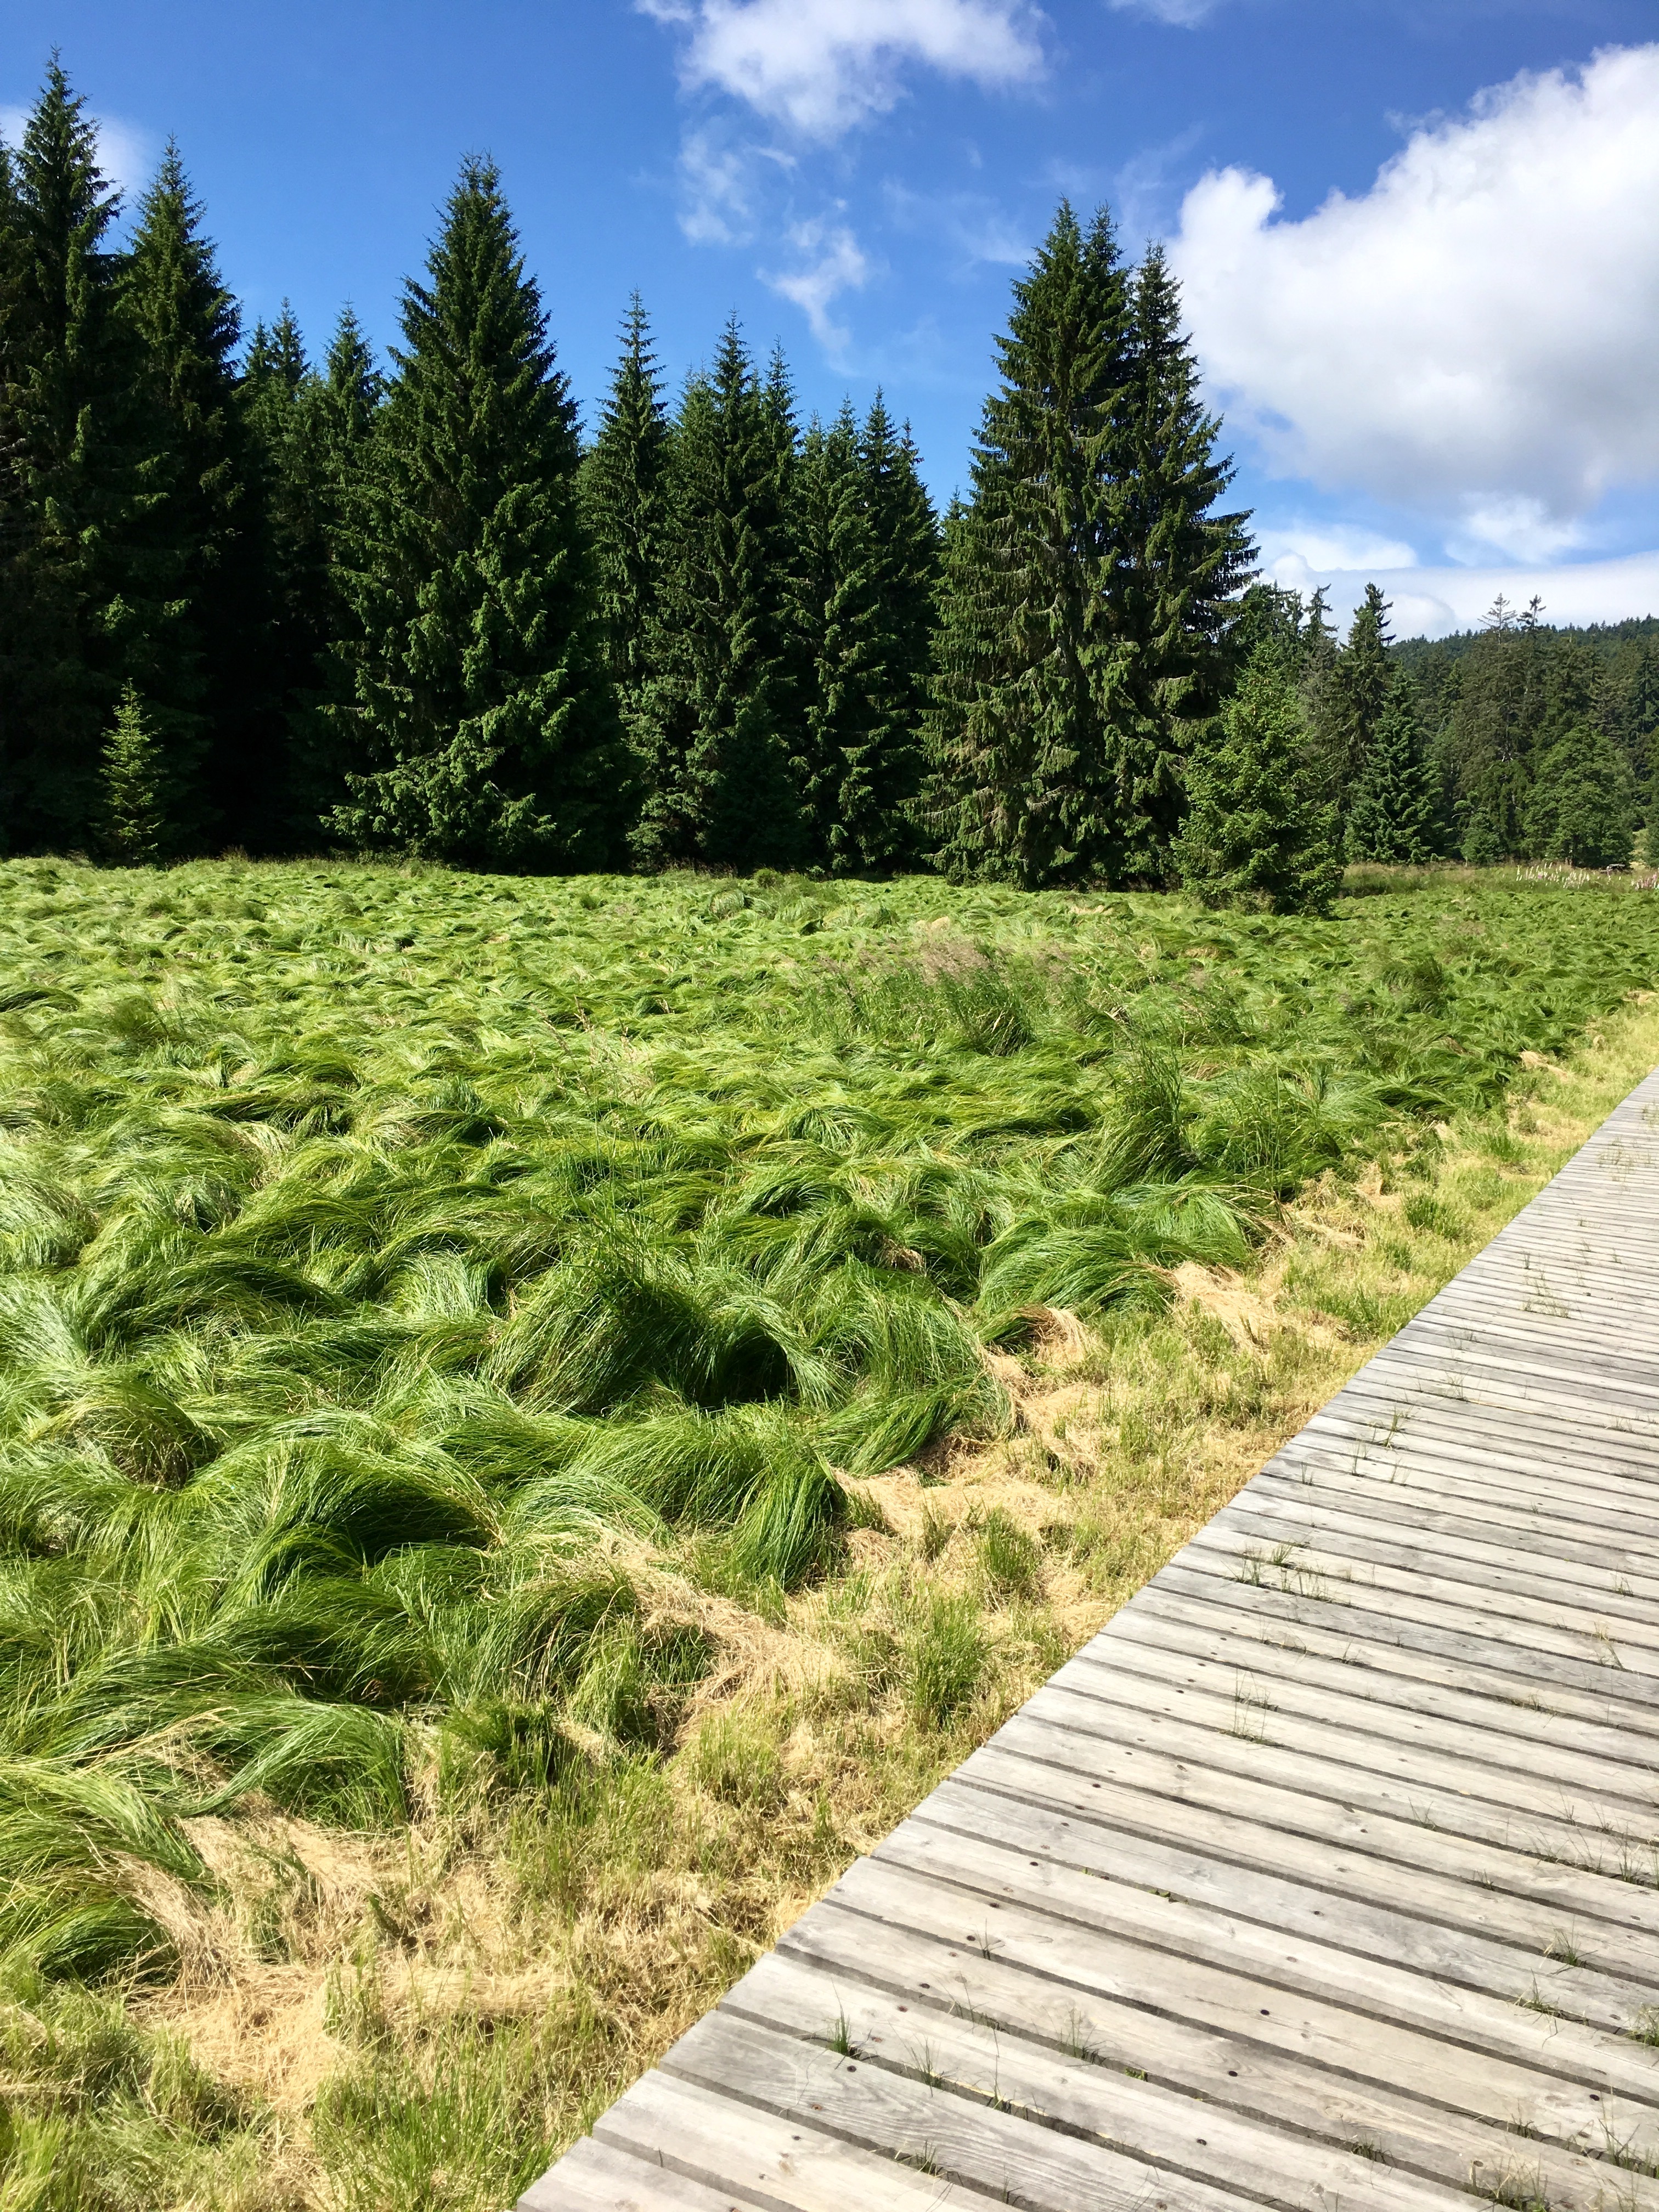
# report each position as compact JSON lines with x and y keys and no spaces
{"x":1323,"y":1877}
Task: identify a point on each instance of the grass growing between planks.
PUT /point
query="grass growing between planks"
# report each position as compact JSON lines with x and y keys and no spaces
{"x":540,"y":1418}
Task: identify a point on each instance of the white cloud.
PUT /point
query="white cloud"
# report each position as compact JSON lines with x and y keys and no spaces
{"x":1299,"y":553}
{"x":1431,"y":601}
{"x":822,"y":66}
{"x":717,"y":189}
{"x":837,"y":264}
{"x":1186,"y":14}
{"x":1475,"y":337}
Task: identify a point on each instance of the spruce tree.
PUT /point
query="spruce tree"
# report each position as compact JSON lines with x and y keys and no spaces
{"x":1178,"y":568}
{"x":626,"y":490}
{"x":838,"y":615}
{"x":316,"y":432}
{"x":719,"y":728}
{"x":84,"y":596}
{"x":1259,"y":833}
{"x":1034,"y":688}
{"x":134,"y":825}
{"x":480,"y":700}
{"x":200,"y":674}
{"x":1350,"y":699}
{"x":1395,"y":805}
{"x":1582,"y":806}
{"x":876,"y":828}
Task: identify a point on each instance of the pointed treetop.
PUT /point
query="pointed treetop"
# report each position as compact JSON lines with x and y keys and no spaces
{"x":59,"y":177}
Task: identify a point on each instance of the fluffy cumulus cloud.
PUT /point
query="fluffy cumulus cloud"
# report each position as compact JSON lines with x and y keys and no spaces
{"x":1475,"y":337}
{"x":820,"y":67}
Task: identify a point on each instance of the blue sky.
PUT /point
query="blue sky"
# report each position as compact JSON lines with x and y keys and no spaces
{"x":1447,"y":374}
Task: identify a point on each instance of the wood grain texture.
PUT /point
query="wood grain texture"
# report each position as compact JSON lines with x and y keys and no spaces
{"x":1327,"y":1874}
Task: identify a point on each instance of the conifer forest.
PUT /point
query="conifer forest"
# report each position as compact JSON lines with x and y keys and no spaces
{"x":665,"y":1119}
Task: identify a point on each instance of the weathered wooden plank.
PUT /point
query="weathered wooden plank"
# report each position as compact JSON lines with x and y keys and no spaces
{"x":1389,"y":1933}
{"x":1384,"y":1395}
{"x":1075,"y":1720}
{"x":1389,"y":1498}
{"x":1352,"y":1675}
{"x":989,"y":1875}
{"x":1575,"y":1631}
{"x":1272,"y":1519}
{"x":1345,"y":1610}
{"x":592,"y":2177}
{"x":1098,"y":2105}
{"x":1528,"y":1903}
{"x":1256,"y":1696}
{"x":1287,"y":2088}
{"x":787,"y":2165}
{"x":1084,"y":1693}
{"x":1317,"y":2028}
{"x":955,"y":2138}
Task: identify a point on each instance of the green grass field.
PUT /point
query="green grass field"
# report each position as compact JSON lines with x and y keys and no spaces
{"x":528,"y":1407}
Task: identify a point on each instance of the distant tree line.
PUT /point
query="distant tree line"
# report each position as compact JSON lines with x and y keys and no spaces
{"x":1516,"y":741}
{"x":251,"y":599}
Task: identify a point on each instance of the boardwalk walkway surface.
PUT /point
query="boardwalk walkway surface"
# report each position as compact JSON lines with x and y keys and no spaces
{"x":1323,"y":1877}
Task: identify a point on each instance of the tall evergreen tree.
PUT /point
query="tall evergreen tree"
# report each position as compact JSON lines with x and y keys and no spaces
{"x":625,"y":482}
{"x":720,"y":726}
{"x":315,"y":433}
{"x":1493,"y":716}
{"x":1177,"y":568}
{"x":1351,"y":700}
{"x":1394,"y":810}
{"x":84,"y":595}
{"x":1259,"y":832}
{"x":1035,"y":689}
{"x":481,"y":703}
{"x":877,"y":830}
{"x":199,"y":676}
{"x":1582,"y":805}
{"x":838,"y":618}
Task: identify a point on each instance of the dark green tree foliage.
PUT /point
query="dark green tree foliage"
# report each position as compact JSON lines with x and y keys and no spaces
{"x":1346,"y":693}
{"x":625,"y":482}
{"x":866,"y":559}
{"x":201,"y":692}
{"x":315,"y":432}
{"x":1259,"y":831}
{"x":83,"y":597}
{"x":878,"y":828}
{"x":1394,"y":809}
{"x":718,"y":728}
{"x":1582,"y":808}
{"x":480,"y":706}
{"x":837,"y":608}
{"x":134,"y":823}
{"x":1034,"y":689}
{"x":1495,"y":712}
{"x":1177,"y":568}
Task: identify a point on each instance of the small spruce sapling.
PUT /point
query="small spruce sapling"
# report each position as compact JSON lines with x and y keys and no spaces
{"x":1259,"y":834}
{"x":135,"y":817}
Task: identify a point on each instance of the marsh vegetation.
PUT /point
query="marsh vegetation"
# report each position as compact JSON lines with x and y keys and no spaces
{"x":538,"y":1417}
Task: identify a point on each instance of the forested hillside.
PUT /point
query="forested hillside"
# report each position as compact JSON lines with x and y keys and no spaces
{"x":253,"y":600}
